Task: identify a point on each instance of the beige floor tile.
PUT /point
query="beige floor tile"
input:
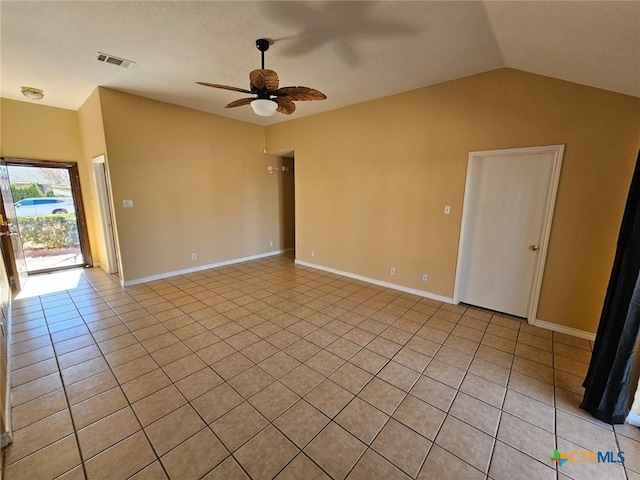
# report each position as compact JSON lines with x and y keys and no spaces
{"x":369,"y":361}
{"x":301,"y":423}
{"x":533,"y":411}
{"x":335,"y":450}
{"x":125,"y":355}
{"x":398,"y":375}
{"x":420,"y":416}
{"x":508,"y":463}
{"x":531,"y":387}
{"x":490,"y":371}
{"x":273,"y":400}
{"x":232,"y":365}
{"x":302,"y":468}
{"x":216,"y":402}
{"x":38,"y":435}
{"x":198,"y":383}
{"x":266,"y":454}
{"x":135,"y":368}
{"x":174,"y":428}
{"x":122,"y":460}
{"x":90,"y":386}
{"x":476,"y":412}
{"x":372,"y":465}
{"x":412,"y":359}
{"x":443,"y":465}
{"x":433,"y":392}
{"x":301,"y":379}
{"x":445,"y":373}
{"x":251,"y":381}
{"x":584,"y":433}
{"x":34,"y":371}
{"x":37,"y":409}
{"x":339,"y":316}
{"x":49,"y":462}
{"x":344,"y":348}
{"x":216,"y":352}
{"x":351,"y":377}
{"x":195,"y":457}
{"x":575,"y":353}
{"x":329,"y":397}
{"x":258,"y":351}
{"x":279,"y":364}
{"x":158,"y":404}
{"x":183,"y":367}
{"x":484,"y":390}
{"x":533,"y":369}
{"x":41,"y":350}
{"x":239,"y":425}
{"x":227,"y":470}
{"x":324,"y":362}
{"x":98,"y":407}
{"x":527,"y":438}
{"x":402,"y":446}
{"x":151,"y":472}
{"x":588,"y":470}
{"x":107,"y":432}
{"x":145,"y":385}
{"x":466,"y":442}
{"x":36,"y":388}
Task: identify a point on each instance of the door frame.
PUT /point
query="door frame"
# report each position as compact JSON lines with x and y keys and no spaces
{"x":103,"y":189}
{"x":74,"y":176}
{"x":550,"y":202}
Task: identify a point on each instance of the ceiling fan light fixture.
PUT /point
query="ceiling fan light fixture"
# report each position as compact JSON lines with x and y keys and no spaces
{"x":264,"y":107}
{"x":32,"y":93}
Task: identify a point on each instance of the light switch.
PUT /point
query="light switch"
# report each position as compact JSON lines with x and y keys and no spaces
{"x":447,"y":209}
{"x":127,"y":203}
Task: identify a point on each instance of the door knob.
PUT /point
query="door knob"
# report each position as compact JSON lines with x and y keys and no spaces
{"x":533,"y":248}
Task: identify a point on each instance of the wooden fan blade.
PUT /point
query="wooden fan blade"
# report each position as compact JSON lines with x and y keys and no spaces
{"x":285,"y":105}
{"x":224,"y":87}
{"x":300,"y":93}
{"x":261,"y":79}
{"x":239,"y":103}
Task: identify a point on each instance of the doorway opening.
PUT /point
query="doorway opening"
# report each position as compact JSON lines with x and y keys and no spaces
{"x":48,"y":210}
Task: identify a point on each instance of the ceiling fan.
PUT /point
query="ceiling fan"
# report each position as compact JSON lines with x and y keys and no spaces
{"x":269,"y":98}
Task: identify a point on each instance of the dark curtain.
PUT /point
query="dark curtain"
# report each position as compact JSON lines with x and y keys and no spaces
{"x":606,"y":395}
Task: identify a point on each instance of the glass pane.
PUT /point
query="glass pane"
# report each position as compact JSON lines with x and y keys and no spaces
{"x":46,"y":217}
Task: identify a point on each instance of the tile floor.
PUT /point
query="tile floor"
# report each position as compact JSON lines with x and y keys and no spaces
{"x":270,"y":370}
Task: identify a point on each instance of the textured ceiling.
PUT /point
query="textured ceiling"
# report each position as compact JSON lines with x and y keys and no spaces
{"x":351,"y":51}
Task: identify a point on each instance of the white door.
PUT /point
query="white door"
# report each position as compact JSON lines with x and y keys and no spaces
{"x":509,"y":199}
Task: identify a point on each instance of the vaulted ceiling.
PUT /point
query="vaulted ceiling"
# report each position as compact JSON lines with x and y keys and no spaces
{"x":351,"y":51}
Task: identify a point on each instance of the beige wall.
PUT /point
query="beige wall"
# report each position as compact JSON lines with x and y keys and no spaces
{"x":39,"y":132}
{"x":93,"y":144}
{"x":372,"y":180}
{"x":199,"y":184}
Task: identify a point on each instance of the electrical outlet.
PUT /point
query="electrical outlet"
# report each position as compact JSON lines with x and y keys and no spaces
{"x":271,"y":243}
{"x":194,"y":256}
{"x":447,"y":209}
{"x":392,"y":271}
{"x":425,"y":277}
{"x":313,"y":253}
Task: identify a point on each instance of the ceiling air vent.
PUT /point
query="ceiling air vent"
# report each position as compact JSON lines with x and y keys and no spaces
{"x":120,"y":62}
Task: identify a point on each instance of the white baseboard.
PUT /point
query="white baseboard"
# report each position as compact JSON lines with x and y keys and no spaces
{"x":562,"y":329}
{"x":375,"y":281}
{"x":199,"y":268}
{"x":633,"y":419}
